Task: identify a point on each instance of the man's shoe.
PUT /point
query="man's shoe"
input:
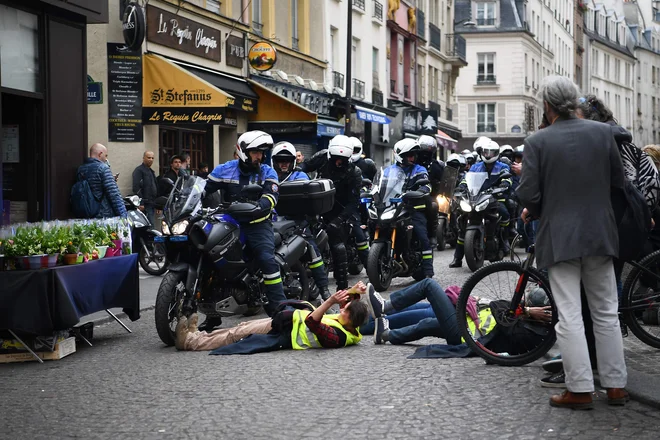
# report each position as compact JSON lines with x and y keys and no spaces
{"x":210,"y":323}
{"x":193,"y":321}
{"x":375,"y":302}
{"x":180,"y":333}
{"x":557,"y":380}
{"x":456,"y":263}
{"x":572,"y":400}
{"x":617,"y":396}
{"x":554,"y":365}
{"x":382,"y":326}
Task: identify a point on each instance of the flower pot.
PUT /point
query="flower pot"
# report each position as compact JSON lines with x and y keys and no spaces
{"x":33,"y":261}
{"x":70,"y":259}
{"x":117,"y":244}
{"x":101,"y":251}
{"x":51,"y":261}
{"x":113,"y":252}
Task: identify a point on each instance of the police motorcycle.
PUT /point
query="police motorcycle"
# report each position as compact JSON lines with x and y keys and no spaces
{"x":151,"y":254}
{"x":445,"y":194}
{"x":209,"y":270}
{"x":396,"y":251}
{"x":478,"y":209}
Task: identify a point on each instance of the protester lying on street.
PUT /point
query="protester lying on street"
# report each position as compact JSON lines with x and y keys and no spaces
{"x":296,"y":325}
{"x":409,"y":320}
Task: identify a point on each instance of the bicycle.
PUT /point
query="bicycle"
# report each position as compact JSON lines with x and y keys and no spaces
{"x":640,"y":299}
{"x":526,"y":286}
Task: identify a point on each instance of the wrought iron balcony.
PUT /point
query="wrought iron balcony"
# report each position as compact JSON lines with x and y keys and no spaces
{"x":486,"y":79}
{"x":258,"y":28}
{"x":456,"y":46}
{"x":434,"y":34}
{"x":337,"y":79}
{"x":358,"y":89}
{"x":378,"y":10}
{"x":359,"y":4}
{"x":485,"y":22}
{"x":486,"y":128}
{"x":434,"y":106}
{"x":377,"y":97}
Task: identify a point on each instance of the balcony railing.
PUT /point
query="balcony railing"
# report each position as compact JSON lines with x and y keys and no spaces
{"x":392,"y":86}
{"x":358,"y":89}
{"x":450,"y":114}
{"x":378,"y":10}
{"x":359,"y":4}
{"x":486,"y":79}
{"x":456,"y":46}
{"x":294,"y":43}
{"x":258,"y":28}
{"x":421,"y":24}
{"x":434,"y":34}
{"x":486,"y":128}
{"x":435,"y":106}
{"x":377,"y":97}
{"x":337,"y":79}
{"x":485,"y":22}
{"x":406,"y":91}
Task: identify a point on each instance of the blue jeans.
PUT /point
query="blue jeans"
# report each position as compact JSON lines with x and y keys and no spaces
{"x":443,"y":325}
{"x":402,"y":318}
{"x":421,"y":232}
{"x":150,"y":212}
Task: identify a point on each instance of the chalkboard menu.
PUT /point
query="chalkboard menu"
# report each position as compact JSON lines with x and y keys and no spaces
{"x":124,"y":94}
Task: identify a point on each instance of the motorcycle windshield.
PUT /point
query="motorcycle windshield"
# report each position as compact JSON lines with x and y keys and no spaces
{"x":475,"y":181}
{"x":391,"y":184}
{"x":447,"y":185}
{"x":185,"y":198}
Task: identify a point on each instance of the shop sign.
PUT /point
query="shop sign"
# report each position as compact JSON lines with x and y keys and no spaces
{"x":133,"y":26}
{"x":94,"y":91}
{"x":429,"y":120}
{"x":516,"y":129}
{"x":235,"y":51}
{"x":182,"y":34}
{"x":314,"y":102}
{"x":367,"y":116}
{"x":189,"y":115}
{"x":262,"y":56}
{"x":328,"y":130}
{"x":412,"y":121}
{"x":124,"y":94}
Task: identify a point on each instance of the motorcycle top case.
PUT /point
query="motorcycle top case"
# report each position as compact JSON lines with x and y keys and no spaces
{"x":306,"y":197}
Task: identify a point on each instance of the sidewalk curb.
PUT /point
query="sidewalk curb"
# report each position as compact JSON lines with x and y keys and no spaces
{"x":642,"y":387}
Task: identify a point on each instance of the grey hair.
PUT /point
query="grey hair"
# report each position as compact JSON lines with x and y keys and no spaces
{"x":560,"y":93}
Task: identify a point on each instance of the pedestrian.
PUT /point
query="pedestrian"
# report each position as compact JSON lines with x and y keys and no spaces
{"x":299,"y":157}
{"x":102,"y":184}
{"x":654,"y":152}
{"x":145,"y":186}
{"x":577,"y":237}
{"x":185,"y":163}
{"x":203,"y":170}
{"x":164,"y":187}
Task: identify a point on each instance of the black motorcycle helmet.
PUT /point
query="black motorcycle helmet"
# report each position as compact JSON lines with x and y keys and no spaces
{"x":428,"y":149}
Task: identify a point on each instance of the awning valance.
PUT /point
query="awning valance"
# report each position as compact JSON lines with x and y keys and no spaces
{"x":274,"y":107}
{"x":445,"y":140}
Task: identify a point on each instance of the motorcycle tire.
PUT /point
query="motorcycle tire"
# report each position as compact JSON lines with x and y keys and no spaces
{"x":474,"y":249}
{"x":440,"y":236}
{"x":145,"y":260}
{"x":355,"y":268}
{"x":165,"y":301}
{"x":303,"y":279}
{"x":380,"y":279}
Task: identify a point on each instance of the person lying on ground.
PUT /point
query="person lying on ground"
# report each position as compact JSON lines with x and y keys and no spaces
{"x":409,"y":319}
{"x":301,"y":325}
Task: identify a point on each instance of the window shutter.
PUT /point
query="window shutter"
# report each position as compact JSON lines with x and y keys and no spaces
{"x":472,"y":118}
{"x":501,"y":117}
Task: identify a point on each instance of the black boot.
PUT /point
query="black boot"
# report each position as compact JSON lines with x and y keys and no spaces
{"x":341,"y":275}
{"x":325,"y":293}
{"x":210,"y":323}
{"x":456,"y":262}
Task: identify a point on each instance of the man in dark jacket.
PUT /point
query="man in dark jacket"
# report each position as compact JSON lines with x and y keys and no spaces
{"x":102,"y":183}
{"x":577,"y":237}
{"x":164,"y":187}
{"x":144,"y":185}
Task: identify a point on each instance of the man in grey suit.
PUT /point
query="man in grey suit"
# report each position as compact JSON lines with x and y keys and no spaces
{"x":577,"y":237}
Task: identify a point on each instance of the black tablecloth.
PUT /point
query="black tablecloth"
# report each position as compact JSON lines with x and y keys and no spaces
{"x":41,"y":301}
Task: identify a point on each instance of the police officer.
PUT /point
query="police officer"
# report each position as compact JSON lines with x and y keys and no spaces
{"x":426,"y":157}
{"x":457,"y":161}
{"x":469,"y":159}
{"x":405,"y":155}
{"x":230,"y":177}
{"x":284,"y":163}
{"x":366,"y":165}
{"x":334,"y":164}
{"x":489,"y":153}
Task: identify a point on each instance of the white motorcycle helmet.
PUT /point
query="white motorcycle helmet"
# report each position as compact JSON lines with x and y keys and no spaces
{"x":405,"y":147}
{"x":357,"y":149}
{"x":456,"y":161}
{"x":284,"y":152}
{"x":490,"y":152}
{"x":255,"y":140}
{"x":340,"y":147}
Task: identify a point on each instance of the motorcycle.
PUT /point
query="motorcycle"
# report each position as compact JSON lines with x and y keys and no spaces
{"x":151,"y":254}
{"x":209,"y":270}
{"x":444,"y":191}
{"x":478,"y":211}
{"x":396,"y":251}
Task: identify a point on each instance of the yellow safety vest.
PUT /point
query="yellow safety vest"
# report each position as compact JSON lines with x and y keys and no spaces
{"x":302,"y":337}
{"x":486,"y":324}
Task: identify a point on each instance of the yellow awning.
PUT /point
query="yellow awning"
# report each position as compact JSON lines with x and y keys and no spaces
{"x":165,"y":84}
{"x":274,"y":107}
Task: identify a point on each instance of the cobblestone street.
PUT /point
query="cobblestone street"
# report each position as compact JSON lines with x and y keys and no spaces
{"x":131,"y":386}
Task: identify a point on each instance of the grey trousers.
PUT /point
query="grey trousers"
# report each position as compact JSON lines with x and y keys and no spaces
{"x":597,"y":276}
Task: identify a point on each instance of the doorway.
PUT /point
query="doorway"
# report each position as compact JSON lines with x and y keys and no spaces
{"x":180,"y":141}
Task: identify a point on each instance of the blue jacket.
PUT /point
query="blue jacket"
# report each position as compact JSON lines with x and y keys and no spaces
{"x":229,"y":178}
{"x":294,"y":175}
{"x":104,"y":187}
{"x":492,"y":175}
{"x":414,"y":173}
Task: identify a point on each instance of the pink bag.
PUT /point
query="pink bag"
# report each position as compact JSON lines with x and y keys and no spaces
{"x":453,"y":292}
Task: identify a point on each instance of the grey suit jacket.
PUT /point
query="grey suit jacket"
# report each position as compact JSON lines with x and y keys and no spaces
{"x":567,"y":174}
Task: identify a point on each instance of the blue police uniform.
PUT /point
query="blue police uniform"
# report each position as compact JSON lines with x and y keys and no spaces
{"x":230,"y":178}
{"x":414,"y":173}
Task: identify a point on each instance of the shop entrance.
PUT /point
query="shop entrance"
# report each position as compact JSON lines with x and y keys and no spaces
{"x":179,"y":141}
{"x":22,"y":158}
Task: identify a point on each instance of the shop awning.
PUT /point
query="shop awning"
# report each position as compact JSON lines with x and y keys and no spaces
{"x":245,"y":98}
{"x":368,"y":115}
{"x":446,"y":141}
{"x":275,"y":108}
{"x":329,"y":127}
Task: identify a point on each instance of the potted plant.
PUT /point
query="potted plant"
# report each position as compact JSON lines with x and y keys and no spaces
{"x":70,"y":254}
{"x":101,"y":239}
{"x":27,"y":242}
{"x":115,"y":249}
{"x":54,"y":243}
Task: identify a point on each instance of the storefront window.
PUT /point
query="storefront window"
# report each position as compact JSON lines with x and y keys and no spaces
{"x":19,"y":50}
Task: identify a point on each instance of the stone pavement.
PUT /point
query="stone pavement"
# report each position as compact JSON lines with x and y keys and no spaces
{"x":131,"y":386}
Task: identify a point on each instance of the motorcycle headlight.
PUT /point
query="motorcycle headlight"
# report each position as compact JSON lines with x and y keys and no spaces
{"x":135,"y":200}
{"x":387,"y":215}
{"x":165,"y":228}
{"x":481,"y":206}
{"x":443,"y":203}
{"x":180,"y":227}
{"x":465,"y":206}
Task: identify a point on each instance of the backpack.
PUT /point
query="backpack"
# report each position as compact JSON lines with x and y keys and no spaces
{"x":633,"y":220}
{"x":84,"y":203}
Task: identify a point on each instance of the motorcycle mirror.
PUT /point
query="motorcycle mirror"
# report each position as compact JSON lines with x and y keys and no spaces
{"x":251,"y":192}
{"x":168,"y":180}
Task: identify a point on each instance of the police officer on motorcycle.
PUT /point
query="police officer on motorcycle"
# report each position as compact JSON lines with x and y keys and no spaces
{"x":284,"y":163}
{"x":489,"y":153}
{"x":230,"y":178}
{"x":366,"y":165}
{"x":426,"y":157}
{"x":405,"y":156}
{"x":334,"y":164}
{"x":457,"y":161}
{"x":469,"y":159}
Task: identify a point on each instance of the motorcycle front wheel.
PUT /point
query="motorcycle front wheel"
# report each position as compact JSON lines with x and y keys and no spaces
{"x":168,"y":307}
{"x":474,"y":249}
{"x":440,"y":234}
{"x":379,"y":267}
{"x":153,"y":258}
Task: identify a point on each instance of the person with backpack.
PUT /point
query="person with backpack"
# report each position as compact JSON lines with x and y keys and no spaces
{"x":95,"y":193}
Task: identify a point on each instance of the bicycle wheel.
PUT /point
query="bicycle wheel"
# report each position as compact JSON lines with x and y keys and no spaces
{"x":517,"y":241}
{"x":640,"y":303}
{"x":508,"y":281}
